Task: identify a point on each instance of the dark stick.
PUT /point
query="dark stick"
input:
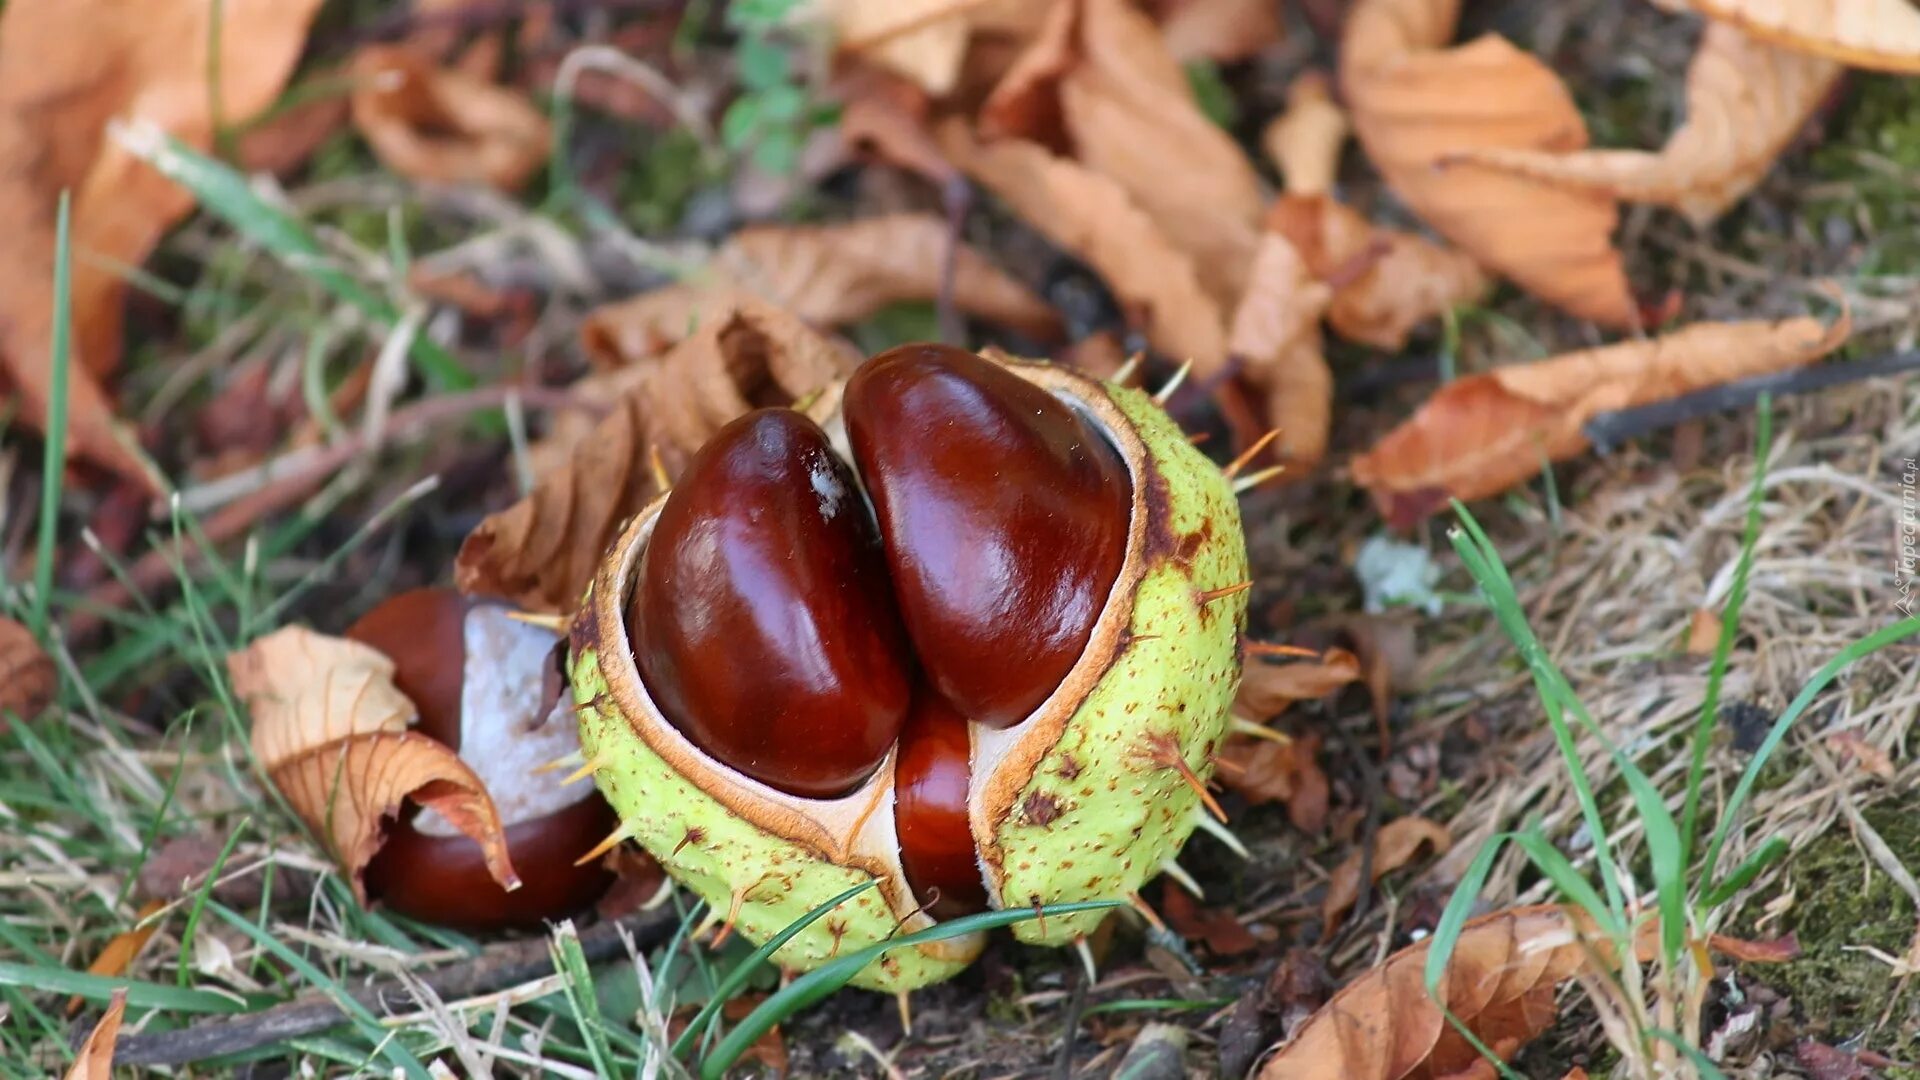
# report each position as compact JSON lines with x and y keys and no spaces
{"x":1608,"y":430}
{"x":496,"y":968}
{"x":1070,"y":1029}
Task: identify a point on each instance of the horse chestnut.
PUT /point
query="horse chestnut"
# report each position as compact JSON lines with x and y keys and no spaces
{"x":475,"y":676}
{"x":1039,"y":611}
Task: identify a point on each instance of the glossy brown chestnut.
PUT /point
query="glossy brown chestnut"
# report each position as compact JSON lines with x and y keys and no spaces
{"x":762,"y":623}
{"x":1004,"y":516}
{"x":443,"y":879}
{"x":930,"y":810}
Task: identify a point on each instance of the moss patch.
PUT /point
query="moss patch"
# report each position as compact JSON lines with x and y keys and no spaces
{"x":1842,"y":900}
{"x":1874,"y":148}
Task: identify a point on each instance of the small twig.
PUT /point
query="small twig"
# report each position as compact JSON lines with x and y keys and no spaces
{"x":1070,"y":1028}
{"x":1610,"y":429}
{"x":1372,"y":795}
{"x":497,"y":967}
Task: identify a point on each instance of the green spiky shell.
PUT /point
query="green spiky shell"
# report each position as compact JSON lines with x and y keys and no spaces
{"x":1094,"y":819}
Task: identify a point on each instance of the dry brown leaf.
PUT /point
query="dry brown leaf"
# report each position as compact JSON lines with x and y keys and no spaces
{"x":1768,"y":951}
{"x":1304,"y":142}
{"x":1414,"y":102}
{"x":1218,"y":928}
{"x":1093,"y":218}
{"x":1275,"y":340}
{"x":1398,"y":843}
{"x":1871,"y":759}
{"x":28,"y":678}
{"x":66,"y":69}
{"x":835,"y":274}
{"x":889,"y":118}
{"x":95,"y":1059}
{"x":1385,"y":282}
{"x":1099,"y":79}
{"x":330,"y":730}
{"x":1388,"y":652}
{"x":442,"y":124}
{"x":122,"y":949}
{"x":924,"y":40}
{"x":1482,"y":434}
{"x":1383,"y":1026}
{"x":1288,"y":771}
{"x":1269,"y":689}
{"x":1703,"y":632}
{"x":1880,"y":34}
{"x":540,"y":552}
{"x":1222,"y":30}
{"x":1746,"y":100}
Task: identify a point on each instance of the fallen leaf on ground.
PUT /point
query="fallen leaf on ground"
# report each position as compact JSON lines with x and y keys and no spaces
{"x":1880,"y":34}
{"x":1871,"y":759}
{"x":1099,"y":80}
{"x":330,"y":730}
{"x":28,"y":678}
{"x":1219,"y":929}
{"x":1304,"y":142}
{"x":1094,"y":219}
{"x":1385,"y":282}
{"x":120,"y":952}
{"x":1222,"y":30}
{"x":1746,"y":100}
{"x":769,"y":1050}
{"x":924,"y":40}
{"x":1484,"y":433}
{"x":65,"y":70}
{"x":889,"y":118}
{"x":1703,"y":632}
{"x":1398,"y":843}
{"x":444,"y":125}
{"x":1275,"y":341}
{"x":829,"y":275}
{"x":1415,"y":101}
{"x":1382,"y":1026}
{"x":1575,"y":1073}
{"x":1771,"y":951}
{"x":95,"y":1059}
{"x":1263,"y":771}
{"x":1388,"y":653}
{"x":281,"y":142}
{"x":541,"y":552}
{"x":1269,"y":689}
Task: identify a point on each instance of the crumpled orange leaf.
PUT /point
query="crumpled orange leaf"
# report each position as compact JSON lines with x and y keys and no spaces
{"x":1275,"y":338}
{"x":1288,"y":771}
{"x":1383,"y":1026}
{"x":1090,"y":216}
{"x":1746,"y":100}
{"x":1880,"y":34}
{"x":834,"y":274}
{"x":66,"y":69}
{"x":1218,"y":928}
{"x":1222,"y":30}
{"x":27,"y":676}
{"x":540,"y":552}
{"x":122,"y":949}
{"x":95,"y":1059}
{"x":1305,"y":140}
{"x":1479,"y":435}
{"x":1099,"y":82}
{"x":1414,"y":102}
{"x":1269,"y":689}
{"x":1397,"y":843}
{"x":442,"y":124}
{"x":330,"y":730}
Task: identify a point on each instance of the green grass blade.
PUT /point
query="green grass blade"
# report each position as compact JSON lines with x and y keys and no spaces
{"x":60,"y":361}
{"x":1667,"y":856}
{"x":577,"y":985}
{"x":1702,"y":1063}
{"x":1729,"y":631}
{"x":1560,"y":870}
{"x":144,"y":995}
{"x":824,"y":980}
{"x":737,"y":978}
{"x":1446,"y":933}
{"x":1743,"y":875}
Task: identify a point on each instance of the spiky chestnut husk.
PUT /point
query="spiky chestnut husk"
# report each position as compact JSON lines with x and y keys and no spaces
{"x":1085,"y":799}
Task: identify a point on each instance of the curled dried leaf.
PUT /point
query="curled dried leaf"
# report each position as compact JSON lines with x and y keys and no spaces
{"x":330,"y":730}
{"x":924,"y":40}
{"x":1094,"y":219}
{"x":1385,"y":282}
{"x":888,"y":118}
{"x":834,"y":274}
{"x":443,"y":124}
{"x":122,"y":949}
{"x":1218,"y":928}
{"x":1275,"y":338}
{"x":1269,"y":689}
{"x":1746,"y":100}
{"x":1222,"y":30}
{"x":1414,"y":103}
{"x":95,"y":1059}
{"x":1880,"y":34}
{"x":1398,"y":843}
{"x":66,"y":69}
{"x":1383,"y":1026}
{"x":1288,"y":771}
{"x":1304,"y":142}
{"x":28,"y":679}
{"x":540,"y":552}
{"x":1482,"y":434}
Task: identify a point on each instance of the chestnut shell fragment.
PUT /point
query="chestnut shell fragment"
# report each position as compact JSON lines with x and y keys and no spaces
{"x":1004,"y":516}
{"x":763,"y":622}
